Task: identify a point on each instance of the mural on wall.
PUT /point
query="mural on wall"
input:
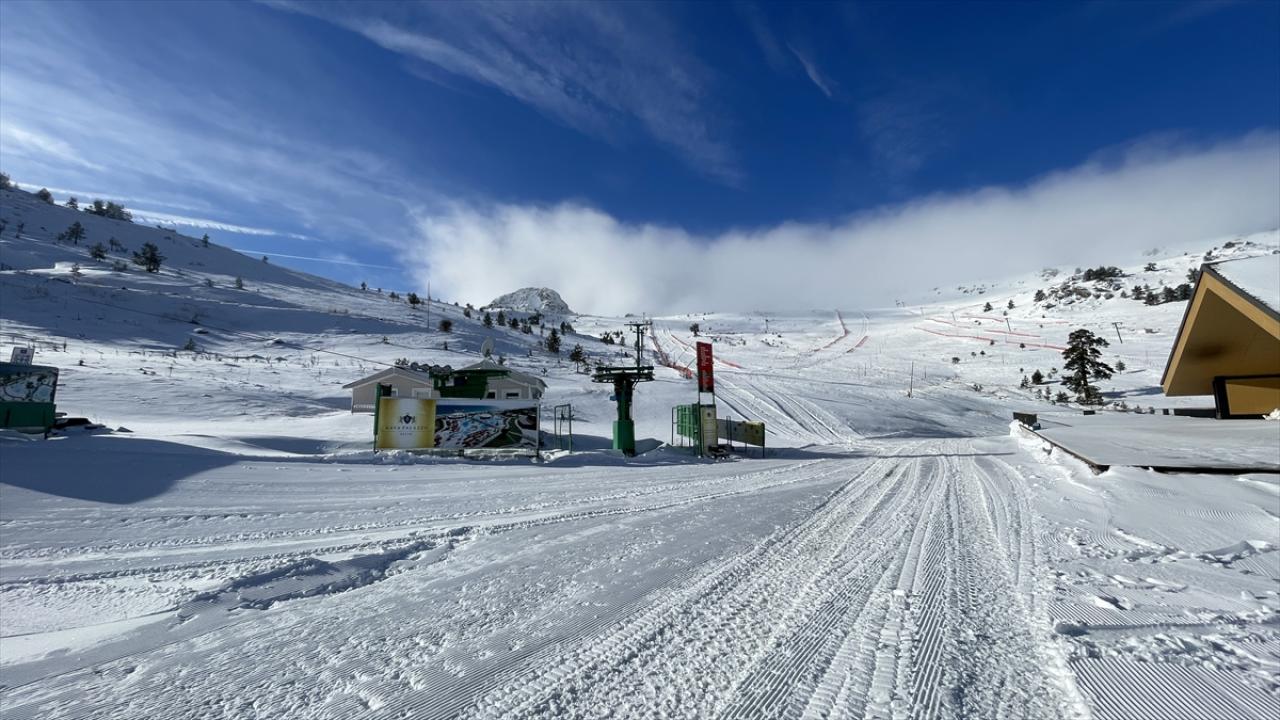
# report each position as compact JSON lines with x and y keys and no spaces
{"x":412,"y":424}
{"x":26,"y":383}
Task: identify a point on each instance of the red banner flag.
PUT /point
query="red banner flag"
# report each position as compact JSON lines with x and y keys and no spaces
{"x":706,"y":381}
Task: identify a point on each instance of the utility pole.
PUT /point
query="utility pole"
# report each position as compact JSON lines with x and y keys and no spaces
{"x":428,"y":306}
{"x":911,"y":384}
{"x":1117,"y":326}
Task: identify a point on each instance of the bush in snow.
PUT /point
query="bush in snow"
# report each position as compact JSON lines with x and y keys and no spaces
{"x":98,"y":252}
{"x":45,"y":195}
{"x":112,"y":210}
{"x":5,"y":183}
{"x":75,"y":233}
{"x":239,"y":283}
{"x":446,"y":325}
{"x":414,"y":299}
{"x":73,"y":203}
{"x":986,"y":308}
{"x":149,"y":257}
{"x":695,"y":329}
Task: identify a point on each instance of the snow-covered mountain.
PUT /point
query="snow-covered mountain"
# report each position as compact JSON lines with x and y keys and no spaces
{"x":533,"y":300}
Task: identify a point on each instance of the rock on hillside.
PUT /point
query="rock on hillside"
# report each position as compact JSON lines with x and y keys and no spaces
{"x":534,"y":300}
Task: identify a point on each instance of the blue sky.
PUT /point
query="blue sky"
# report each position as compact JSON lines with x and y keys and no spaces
{"x":375,"y":137}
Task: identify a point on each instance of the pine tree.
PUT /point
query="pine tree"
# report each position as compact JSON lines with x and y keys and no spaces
{"x":986,"y":308}
{"x":1083,"y":362}
{"x":1120,"y":366}
{"x":98,"y":252}
{"x":513,"y":323}
{"x":413,"y":299}
{"x":45,"y":195}
{"x":695,"y":328}
{"x":204,"y":242}
{"x":446,"y":325}
{"x":73,"y":203}
{"x":502,"y":318}
{"x":5,"y":182}
{"x":1037,"y":377}
{"x":149,"y":257}
{"x":553,"y":342}
{"x":239,"y":283}
{"x":75,"y":233}
{"x":1010,"y":303}
{"x":488,"y":320}
{"x":577,"y":354}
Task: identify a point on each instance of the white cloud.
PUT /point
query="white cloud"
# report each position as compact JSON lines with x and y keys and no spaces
{"x":1102,"y":211}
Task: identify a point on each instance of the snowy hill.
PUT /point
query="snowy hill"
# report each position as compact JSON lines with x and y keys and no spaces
{"x":533,"y":300}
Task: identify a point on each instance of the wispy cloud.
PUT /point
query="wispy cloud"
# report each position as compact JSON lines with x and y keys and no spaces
{"x":815,"y":74}
{"x":906,"y":125}
{"x":1098,"y":212}
{"x":332,"y":260}
{"x":92,"y":114}
{"x":596,"y":68}
{"x":16,"y":140}
{"x":160,"y":218}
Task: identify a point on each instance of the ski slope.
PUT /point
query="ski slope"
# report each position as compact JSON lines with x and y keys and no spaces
{"x":241,"y":552}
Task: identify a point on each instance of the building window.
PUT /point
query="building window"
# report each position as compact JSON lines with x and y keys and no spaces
{"x":513,"y":395}
{"x":491,"y":395}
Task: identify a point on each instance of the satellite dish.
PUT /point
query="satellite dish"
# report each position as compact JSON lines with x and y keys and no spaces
{"x":486,"y":349}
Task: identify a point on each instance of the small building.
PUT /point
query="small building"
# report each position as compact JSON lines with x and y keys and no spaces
{"x":489,"y":380}
{"x":404,"y":383}
{"x":1228,"y":344}
{"x":483,"y":380}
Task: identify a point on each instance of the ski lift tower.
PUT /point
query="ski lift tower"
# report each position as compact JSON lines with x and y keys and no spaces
{"x":624,"y":380}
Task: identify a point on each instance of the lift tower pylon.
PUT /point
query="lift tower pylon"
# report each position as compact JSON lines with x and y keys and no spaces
{"x":624,"y":380}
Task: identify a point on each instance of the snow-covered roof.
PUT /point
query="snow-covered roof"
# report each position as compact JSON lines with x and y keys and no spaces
{"x":489,"y":365}
{"x":1258,"y":277}
{"x":386,"y":373}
